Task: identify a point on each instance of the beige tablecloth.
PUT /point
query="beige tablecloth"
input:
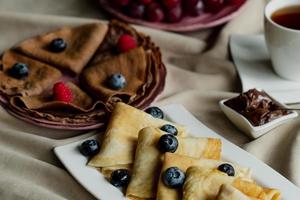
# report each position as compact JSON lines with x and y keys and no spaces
{"x":200,"y":73}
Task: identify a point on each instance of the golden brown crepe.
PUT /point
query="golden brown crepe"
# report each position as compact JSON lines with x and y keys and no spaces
{"x":120,"y":139}
{"x":148,"y":159}
{"x":255,"y":191}
{"x":202,"y":183}
{"x":82,"y":43}
{"x":228,"y":192}
{"x":183,"y":163}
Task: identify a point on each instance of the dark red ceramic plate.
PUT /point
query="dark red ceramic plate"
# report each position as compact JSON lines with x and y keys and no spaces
{"x":205,"y":20}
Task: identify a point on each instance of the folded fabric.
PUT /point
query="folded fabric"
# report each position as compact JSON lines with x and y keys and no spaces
{"x":148,"y":159}
{"x":202,"y":183}
{"x":40,"y":76}
{"x":183,"y":163}
{"x":82,"y":42}
{"x":120,"y":139}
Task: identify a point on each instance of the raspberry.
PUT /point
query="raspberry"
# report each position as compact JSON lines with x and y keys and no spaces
{"x":62,"y":92}
{"x":126,"y":42}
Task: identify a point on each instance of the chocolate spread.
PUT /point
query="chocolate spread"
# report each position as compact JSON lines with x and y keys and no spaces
{"x":257,"y":107}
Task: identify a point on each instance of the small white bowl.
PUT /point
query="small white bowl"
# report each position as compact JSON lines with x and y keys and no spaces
{"x":255,"y":131}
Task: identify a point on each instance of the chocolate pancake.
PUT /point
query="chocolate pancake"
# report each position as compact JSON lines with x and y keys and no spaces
{"x":92,"y":100}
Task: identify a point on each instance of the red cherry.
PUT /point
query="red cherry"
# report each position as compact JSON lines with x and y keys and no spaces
{"x":126,"y":42}
{"x":145,"y":2}
{"x":171,"y":3}
{"x":198,"y":9}
{"x":155,"y":12}
{"x":174,"y":14}
{"x":121,"y":2}
{"x":189,"y":5}
{"x":236,"y":2}
{"x":136,"y":10}
{"x":61,"y":92}
{"x":213,"y":5}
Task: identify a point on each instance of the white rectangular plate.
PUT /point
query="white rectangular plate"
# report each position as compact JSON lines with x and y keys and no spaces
{"x":95,"y":183}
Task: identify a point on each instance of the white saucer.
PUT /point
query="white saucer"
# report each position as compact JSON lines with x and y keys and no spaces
{"x":254,"y":67}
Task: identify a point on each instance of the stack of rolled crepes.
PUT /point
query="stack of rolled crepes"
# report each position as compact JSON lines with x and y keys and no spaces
{"x":131,"y":143}
{"x":89,"y":59}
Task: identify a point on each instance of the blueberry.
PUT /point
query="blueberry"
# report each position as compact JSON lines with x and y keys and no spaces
{"x":89,"y":147}
{"x":116,"y":81}
{"x":227,"y":168}
{"x":169,"y":129}
{"x":57,"y":45}
{"x":155,"y":112}
{"x":167,"y":143}
{"x":19,"y":70}
{"x":173,"y":177}
{"x":120,"y":177}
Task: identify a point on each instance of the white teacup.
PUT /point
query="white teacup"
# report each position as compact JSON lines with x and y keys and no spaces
{"x":283,"y":43}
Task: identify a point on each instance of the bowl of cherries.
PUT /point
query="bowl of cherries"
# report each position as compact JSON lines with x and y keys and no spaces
{"x":174,"y":15}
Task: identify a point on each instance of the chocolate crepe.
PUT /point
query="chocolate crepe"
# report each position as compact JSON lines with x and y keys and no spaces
{"x":82,"y":42}
{"x":40,"y":76}
{"x":142,"y":67}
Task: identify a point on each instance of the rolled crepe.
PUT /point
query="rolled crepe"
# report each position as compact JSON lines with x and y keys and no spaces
{"x":148,"y":159}
{"x":228,"y":192}
{"x":120,"y":139}
{"x":255,"y":191}
{"x":202,"y":183}
{"x":183,"y":163}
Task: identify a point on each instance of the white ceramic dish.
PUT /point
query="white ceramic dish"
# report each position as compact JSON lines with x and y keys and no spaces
{"x":253,"y":64}
{"x":95,"y":183}
{"x":254,"y":131}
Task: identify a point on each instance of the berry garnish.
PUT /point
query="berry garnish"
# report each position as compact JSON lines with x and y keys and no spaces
{"x":62,"y":92}
{"x":227,"y":168}
{"x":167,"y":143}
{"x":89,"y":147}
{"x":171,"y":3}
{"x":155,"y":112}
{"x":57,"y":45}
{"x":173,"y":177}
{"x":169,"y":129}
{"x":116,"y":81}
{"x":136,"y":10}
{"x":126,"y":42}
{"x":174,"y":14}
{"x":19,"y":70}
{"x":213,"y":5}
{"x":155,"y":12}
{"x":120,"y":177}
